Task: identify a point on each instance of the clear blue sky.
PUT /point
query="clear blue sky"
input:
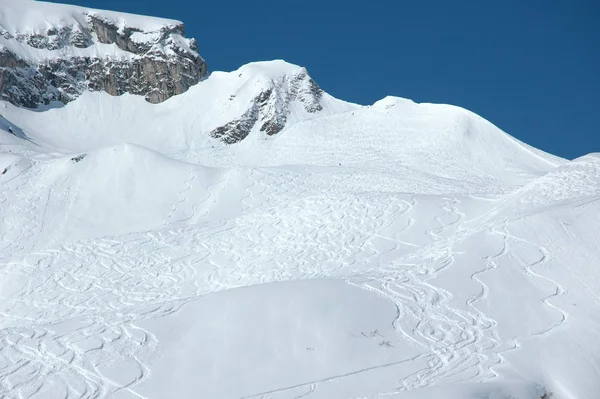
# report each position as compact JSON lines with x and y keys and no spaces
{"x":532,"y":67}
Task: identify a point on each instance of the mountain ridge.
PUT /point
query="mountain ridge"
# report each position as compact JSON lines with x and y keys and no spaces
{"x":59,"y":51}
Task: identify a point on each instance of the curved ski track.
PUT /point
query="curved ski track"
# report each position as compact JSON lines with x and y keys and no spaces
{"x":75,"y":314}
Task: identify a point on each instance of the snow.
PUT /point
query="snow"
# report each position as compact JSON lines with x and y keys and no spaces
{"x":317,"y":329}
{"x":99,"y":50}
{"x":20,"y":17}
{"x":29,"y":18}
{"x":170,"y":126}
{"x":397,"y":250}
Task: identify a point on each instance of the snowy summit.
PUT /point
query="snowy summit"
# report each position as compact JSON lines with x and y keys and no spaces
{"x":165,"y":233}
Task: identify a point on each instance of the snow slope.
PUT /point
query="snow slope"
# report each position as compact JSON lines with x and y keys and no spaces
{"x":398,"y":250}
{"x":182,"y":122}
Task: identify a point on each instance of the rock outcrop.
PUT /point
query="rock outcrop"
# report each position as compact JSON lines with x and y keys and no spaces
{"x":269,"y":109}
{"x":94,"y":50}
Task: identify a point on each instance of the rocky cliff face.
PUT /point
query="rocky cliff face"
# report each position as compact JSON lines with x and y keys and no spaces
{"x":92,"y":50}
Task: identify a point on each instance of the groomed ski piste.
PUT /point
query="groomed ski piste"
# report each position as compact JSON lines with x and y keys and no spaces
{"x":397,"y":250}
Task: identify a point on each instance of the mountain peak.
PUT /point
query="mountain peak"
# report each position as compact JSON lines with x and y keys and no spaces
{"x":264,"y":97}
{"x":392,"y":101}
{"x":273,"y":68}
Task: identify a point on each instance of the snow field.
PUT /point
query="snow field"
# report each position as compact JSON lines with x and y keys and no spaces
{"x":399,"y":250}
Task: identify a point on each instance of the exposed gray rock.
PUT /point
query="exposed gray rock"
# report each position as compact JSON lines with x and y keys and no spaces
{"x":304,"y":89}
{"x":268,"y":112}
{"x":157,"y":64}
{"x":237,"y":130}
{"x":78,"y":158}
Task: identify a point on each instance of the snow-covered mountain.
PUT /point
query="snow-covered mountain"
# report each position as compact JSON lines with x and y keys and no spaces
{"x":254,"y":237}
{"x":52,"y":52}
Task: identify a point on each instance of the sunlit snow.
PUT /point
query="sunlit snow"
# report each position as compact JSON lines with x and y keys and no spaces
{"x":398,"y":250}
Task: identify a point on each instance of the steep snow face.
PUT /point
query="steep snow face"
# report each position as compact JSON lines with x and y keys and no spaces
{"x":52,"y":52}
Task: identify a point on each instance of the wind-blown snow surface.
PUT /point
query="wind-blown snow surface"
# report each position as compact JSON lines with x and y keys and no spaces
{"x":398,"y":250}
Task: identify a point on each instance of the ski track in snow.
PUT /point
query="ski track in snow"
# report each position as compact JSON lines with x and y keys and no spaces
{"x":21,"y":213}
{"x":458,"y":342}
{"x":450,"y":336}
{"x":72,"y":311}
{"x":544,"y":256}
{"x":419,"y":207}
{"x":82,"y":283}
{"x":174,"y":206}
{"x":60,"y":288}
